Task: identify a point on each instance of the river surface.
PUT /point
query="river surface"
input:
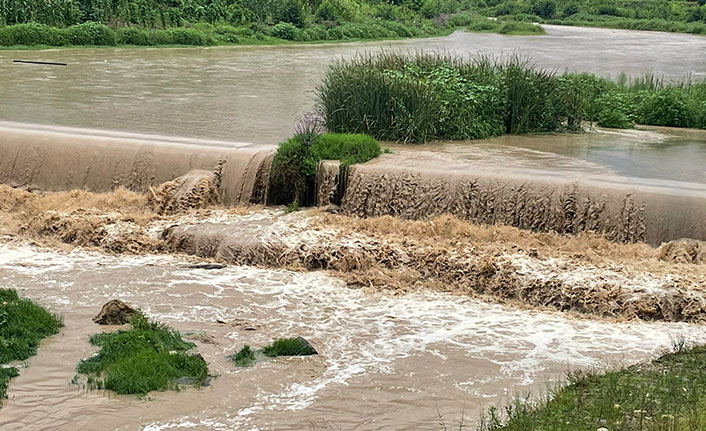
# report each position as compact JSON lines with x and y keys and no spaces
{"x":255,"y":94}
{"x":394,"y":363}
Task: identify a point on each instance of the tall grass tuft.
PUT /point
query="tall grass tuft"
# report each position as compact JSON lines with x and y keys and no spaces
{"x":423,"y":97}
{"x":149,"y":356}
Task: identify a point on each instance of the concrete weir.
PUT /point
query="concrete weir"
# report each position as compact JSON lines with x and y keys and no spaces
{"x":411,"y":183}
{"x":60,"y":158}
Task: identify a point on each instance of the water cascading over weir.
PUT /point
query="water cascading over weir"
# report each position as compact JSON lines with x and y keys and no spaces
{"x":48,"y":158}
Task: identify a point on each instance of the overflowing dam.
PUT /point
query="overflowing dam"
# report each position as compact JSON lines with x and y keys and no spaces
{"x":490,"y":182}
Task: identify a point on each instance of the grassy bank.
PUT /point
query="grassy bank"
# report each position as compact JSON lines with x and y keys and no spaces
{"x":209,"y":22}
{"x":148,"y":357}
{"x":293,"y":172}
{"x":419,"y":98}
{"x":668,"y":394}
{"x":23,"y":324}
{"x":653,"y":15}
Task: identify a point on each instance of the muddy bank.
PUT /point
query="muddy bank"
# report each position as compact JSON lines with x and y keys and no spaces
{"x":57,"y":158}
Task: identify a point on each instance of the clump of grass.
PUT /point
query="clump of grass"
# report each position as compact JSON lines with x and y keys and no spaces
{"x":393,"y":96}
{"x":289,"y":347}
{"x":668,"y":394}
{"x":23,"y":324}
{"x":294,"y":167}
{"x":244,"y":358}
{"x":149,"y":356}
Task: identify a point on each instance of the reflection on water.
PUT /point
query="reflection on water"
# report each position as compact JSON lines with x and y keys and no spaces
{"x":255,"y":93}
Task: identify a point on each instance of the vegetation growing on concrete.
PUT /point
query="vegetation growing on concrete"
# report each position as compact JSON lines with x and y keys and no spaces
{"x":294,"y":166}
{"x":150,"y":356}
{"x":23,"y":324}
{"x":668,"y":394}
{"x":393,"y":96}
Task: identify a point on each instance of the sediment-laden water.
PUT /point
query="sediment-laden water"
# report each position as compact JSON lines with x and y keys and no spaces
{"x":386,"y":362}
{"x":255,"y":94}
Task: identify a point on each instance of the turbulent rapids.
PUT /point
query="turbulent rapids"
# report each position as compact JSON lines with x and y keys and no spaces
{"x":415,"y":256}
{"x":180,"y":173}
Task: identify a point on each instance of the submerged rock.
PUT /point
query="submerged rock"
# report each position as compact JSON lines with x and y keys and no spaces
{"x":684,"y":251}
{"x":290,"y":347}
{"x":114,"y":312}
{"x":206,"y":266}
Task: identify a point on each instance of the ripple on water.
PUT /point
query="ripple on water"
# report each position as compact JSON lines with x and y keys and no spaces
{"x":423,"y":341}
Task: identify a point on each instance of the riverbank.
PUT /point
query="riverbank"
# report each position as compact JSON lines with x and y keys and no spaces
{"x":664,"y":394}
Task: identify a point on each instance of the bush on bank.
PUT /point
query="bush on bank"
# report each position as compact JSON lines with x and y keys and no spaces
{"x":23,"y":324}
{"x":294,"y":166}
{"x":424,"y":97}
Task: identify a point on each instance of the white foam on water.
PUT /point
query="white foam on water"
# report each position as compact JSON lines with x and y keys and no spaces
{"x":356,"y":332}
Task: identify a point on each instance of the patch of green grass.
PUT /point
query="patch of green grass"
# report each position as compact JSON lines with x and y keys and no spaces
{"x":244,"y":358}
{"x":148,"y":357}
{"x":668,"y":394}
{"x":23,"y":324}
{"x":288,"y":347}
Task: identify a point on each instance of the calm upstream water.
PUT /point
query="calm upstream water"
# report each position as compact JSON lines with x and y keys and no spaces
{"x":255,"y":94}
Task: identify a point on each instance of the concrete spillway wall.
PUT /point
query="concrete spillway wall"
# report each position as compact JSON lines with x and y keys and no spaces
{"x":55,"y":158}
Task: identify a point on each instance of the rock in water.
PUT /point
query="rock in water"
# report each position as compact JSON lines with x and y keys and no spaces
{"x":684,"y":251}
{"x":306,"y":348}
{"x":114,"y":312}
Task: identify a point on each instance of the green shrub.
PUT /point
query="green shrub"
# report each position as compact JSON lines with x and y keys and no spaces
{"x":294,"y":166}
{"x":666,"y":107}
{"x":23,"y":324}
{"x":150,"y":356}
{"x":33,"y":34}
{"x":91,"y":33}
{"x":348,"y":148}
{"x":133,"y":36}
{"x":335,"y":10}
{"x":288,"y":347}
{"x":244,"y":358}
{"x":284,"y":30}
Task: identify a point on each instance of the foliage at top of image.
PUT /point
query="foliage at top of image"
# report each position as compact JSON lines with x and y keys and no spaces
{"x":668,"y":394}
{"x":211,"y":22}
{"x":23,"y":324}
{"x":656,"y":15}
{"x":150,"y":356}
{"x":425,"y":97}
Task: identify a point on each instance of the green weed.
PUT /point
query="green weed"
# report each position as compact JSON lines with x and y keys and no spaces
{"x":150,"y":356}
{"x":23,"y":324}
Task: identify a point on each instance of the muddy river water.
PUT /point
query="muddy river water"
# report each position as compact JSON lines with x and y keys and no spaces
{"x":255,"y":93}
{"x":387,"y":362}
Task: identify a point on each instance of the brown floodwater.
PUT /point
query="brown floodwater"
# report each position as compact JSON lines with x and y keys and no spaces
{"x":385,"y":362}
{"x":255,"y":94}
